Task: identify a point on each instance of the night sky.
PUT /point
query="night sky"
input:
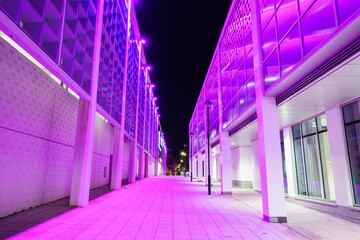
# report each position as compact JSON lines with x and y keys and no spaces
{"x":181,"y":39}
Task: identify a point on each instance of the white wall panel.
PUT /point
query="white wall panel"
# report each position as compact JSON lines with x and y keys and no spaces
{"x":241,"y":164}
{"x":38,"y":121}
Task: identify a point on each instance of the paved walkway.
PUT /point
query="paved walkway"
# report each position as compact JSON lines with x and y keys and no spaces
{"x":174,"y":208}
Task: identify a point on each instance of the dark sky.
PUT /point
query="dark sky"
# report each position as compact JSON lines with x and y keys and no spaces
{"x":181,"y":39}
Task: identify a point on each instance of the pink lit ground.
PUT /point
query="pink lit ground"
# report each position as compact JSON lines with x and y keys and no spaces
{"x":174,"y":208}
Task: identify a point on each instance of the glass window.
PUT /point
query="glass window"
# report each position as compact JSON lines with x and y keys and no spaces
{"x":296,"y":132}
{"x":242,"y":100}
{"x":346,"y":8}
{"x":304,"y":5}
{"x":290,"y":50}
{"x":241,"y":76}
{"x":300,"y":167}
{"x":251,"y":91}
{"x":321,"y":123}
{"x":269,"y":38}
{"x":283,"y":161}
{"x":352,"y":129}
{"x":266,"y":11}
{"x":249,"y":65}
{"x":317,"y":24}
{"x":326,"y":166}
{"x":308,"y":127}
{"x":312,"y":157}
{"x":351,"y":112}
{"x":271,"y":69}
{"x":287,"y":15}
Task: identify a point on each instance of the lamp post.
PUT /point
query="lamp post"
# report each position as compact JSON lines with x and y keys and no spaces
{"x":208,"y":104}
{"x":191,"y":174}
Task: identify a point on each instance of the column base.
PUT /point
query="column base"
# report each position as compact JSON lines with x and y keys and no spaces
{"x":275,"y":219}
{"x":226,"y":193}
{"x":199,"y":180}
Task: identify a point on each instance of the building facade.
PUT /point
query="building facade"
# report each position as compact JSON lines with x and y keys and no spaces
{"x":284,"y":83}
{"x":78,"y":110}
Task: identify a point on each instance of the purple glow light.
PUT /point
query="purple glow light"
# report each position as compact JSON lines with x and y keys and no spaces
{"x":143,"y":41}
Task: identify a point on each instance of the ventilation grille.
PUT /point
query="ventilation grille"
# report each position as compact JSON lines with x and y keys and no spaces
{"x":243,"y":124}
{"x":320,"y":71}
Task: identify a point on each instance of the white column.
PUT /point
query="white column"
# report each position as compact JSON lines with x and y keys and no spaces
{"x":255,"y":165}
{"x":132,"y":162}
{"x":225,"y":163}
{"x":271,"y":171}
{"x":116,"y":173}
{"x":80,"y":185}
{"x":199,"y":167}
{"x":290,"y":161}
{"x":213,"y":168}
{"x":146,"y":165}
{"x":339,"y":156}
{"x":141,"y":163}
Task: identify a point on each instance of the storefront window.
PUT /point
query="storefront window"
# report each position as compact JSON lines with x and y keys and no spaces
{"x":352,"y":129}
{"x":312,"y":156}
{"x":283,"y":161}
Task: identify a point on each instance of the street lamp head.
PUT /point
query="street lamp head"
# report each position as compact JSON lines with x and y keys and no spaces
{"x":191,"y":134}
{"x":208,"y":103}
{"x":143,"y":41}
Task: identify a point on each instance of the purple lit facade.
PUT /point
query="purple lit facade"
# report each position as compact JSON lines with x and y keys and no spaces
{"x":98,"y":114}
{"x":282,"y":68}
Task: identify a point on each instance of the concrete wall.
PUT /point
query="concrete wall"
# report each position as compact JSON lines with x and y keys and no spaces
{"x":241,"y":166}
{"x":255,"y":165}
{"x":37,"y":136}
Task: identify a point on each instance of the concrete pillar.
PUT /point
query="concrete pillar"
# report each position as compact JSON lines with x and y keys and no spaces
{"x":272,"y":184}
{"x":199,"y":167}
{"x":339,"y":157}
{"x":255,"y":165}
{"x":146,"y":165}
{"x":271,"y":171}
{"x":141,"y":163}
{"x":214,"y":168}
{"x":194,"y":164}
{"x":132,"y":162}
{"x":290,"y":161}
{"x":225,"y":163}
{"x":80,"y":185}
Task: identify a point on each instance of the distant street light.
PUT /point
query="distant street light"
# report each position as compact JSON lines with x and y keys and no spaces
{"x":208,"y":104}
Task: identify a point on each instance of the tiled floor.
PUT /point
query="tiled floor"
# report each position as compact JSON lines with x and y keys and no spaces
{"x":174,"y":208}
